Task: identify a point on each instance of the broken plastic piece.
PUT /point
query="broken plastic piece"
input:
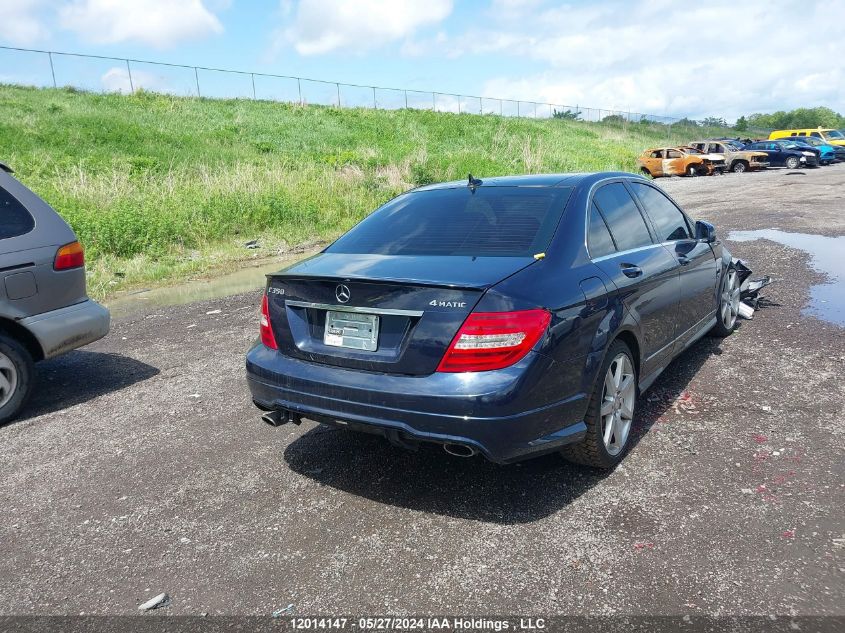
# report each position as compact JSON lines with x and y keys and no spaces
{"x":160,"y":601}
{"x":745,"y":310}
{"x":748,"y":288}
{"x":755,"y":285}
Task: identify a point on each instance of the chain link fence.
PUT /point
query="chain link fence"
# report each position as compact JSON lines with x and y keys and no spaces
{"x":97,"y":73}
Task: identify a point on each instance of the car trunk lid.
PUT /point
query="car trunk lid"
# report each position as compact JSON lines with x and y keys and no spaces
{"x":381,"y":313}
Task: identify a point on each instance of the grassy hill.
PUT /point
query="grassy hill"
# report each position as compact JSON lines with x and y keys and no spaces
{"x":159,"y":187}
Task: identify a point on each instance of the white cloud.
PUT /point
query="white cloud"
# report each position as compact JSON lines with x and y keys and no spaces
{"x":323,"y":26}
{"x":20,"y":24}
{"x":722,"y":58}
{"x":157,"y":23}
{"x":116,"y":79}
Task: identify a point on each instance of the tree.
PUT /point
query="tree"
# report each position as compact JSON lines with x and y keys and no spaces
{"x":713,"y":121}
{"x":613,"y":118}
{"x":798,"y":118}
{"x":741,"y":124}
{"x":569,"y":115}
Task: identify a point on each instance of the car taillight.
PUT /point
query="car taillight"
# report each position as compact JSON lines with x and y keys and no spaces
{"x":267,"y":336}
{"x":493,"y":340}
{"x":69,"y":256}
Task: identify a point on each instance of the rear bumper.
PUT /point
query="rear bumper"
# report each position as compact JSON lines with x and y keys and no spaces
{"x":65,"y":329}
{"x":495,"y":412}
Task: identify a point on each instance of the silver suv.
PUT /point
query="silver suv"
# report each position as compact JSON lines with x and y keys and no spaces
{"x":44,"y":310}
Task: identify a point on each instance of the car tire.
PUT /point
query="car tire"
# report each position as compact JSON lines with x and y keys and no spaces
{"x":16,"y":375}
{"x":792,"y":162}
{"x":692,"y":170}
{"x":739,"y":167}
{"x":727,"y":310}
{"x":598,"y":448}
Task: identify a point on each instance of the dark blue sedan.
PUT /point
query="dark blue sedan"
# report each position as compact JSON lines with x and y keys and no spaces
{"x":510,"y":317}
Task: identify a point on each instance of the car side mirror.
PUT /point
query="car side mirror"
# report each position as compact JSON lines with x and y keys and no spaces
{"x":705,"y":232}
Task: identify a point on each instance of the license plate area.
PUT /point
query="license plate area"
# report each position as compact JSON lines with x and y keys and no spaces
{"x":352,"y":330}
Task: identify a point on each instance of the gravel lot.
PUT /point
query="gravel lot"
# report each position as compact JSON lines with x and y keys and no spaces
{"x":142,"y":467}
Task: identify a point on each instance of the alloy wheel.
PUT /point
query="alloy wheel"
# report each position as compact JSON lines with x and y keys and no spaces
{"x":8,"y":379}
{"x":729,"y":301}
{"x":617,"y":404}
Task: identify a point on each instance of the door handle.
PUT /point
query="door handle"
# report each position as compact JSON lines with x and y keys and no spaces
{"x":630,"y":270}
{"x":683,"y":260}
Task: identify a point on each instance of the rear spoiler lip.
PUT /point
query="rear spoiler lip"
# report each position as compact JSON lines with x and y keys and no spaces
{"x":384,"y":280}
{"x":428,"y":283}
{"x":6,"y":168}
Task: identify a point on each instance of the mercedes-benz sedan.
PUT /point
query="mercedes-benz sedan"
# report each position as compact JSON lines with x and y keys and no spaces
{"x":510,"y":317}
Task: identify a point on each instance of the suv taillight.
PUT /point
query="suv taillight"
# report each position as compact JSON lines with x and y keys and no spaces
{"x":69,"y":256}
{"x":493,"y":340}
{"x":266,"y":330}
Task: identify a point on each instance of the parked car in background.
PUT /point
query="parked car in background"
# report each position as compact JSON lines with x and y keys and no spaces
{"x":510,"y":317}
{"x":834,"y":137}
{"x":44,"y":309}
{"x":782,"y":154}
{"x":679,"y":161}
{"x":737,"y":160}
{"x":827,"y":153}
{"x":803,"y":147}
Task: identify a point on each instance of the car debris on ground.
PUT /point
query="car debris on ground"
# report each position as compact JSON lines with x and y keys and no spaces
{"x":749,"y":289}
{"x":159,"y":602}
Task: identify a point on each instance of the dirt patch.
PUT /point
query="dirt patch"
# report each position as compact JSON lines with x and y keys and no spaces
{"x":142,"y":467}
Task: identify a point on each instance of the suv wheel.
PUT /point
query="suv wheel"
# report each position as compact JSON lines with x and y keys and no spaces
{"x":610,"y":412}
{"x":738,"y":167}
{"x":16,"y":372}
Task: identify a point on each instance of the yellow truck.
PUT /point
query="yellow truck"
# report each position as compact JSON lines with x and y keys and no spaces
{"x":830,"y":136}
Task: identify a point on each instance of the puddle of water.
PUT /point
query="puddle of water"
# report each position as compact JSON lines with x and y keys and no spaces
{"x":827,"y":256}
{"x":243,"y":280}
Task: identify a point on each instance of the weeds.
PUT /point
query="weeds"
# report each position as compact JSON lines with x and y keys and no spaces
{"x":167,"y":180}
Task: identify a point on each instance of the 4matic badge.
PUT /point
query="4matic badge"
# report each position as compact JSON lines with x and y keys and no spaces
{"x":437,"y":303}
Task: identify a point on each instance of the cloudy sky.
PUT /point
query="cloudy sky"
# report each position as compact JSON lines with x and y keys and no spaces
{"x":719,"y":57}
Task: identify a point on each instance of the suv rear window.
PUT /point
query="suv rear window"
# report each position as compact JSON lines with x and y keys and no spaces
{"x":492,"y":221}
{"x":14,"y":218}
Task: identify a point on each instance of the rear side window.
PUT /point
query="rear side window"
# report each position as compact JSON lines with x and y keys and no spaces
{"x":670,"y":222}
{"x":492,"y":221}
{"x":599,"y":241}
{"x":14,"y":218}
{"x":624,"y":219}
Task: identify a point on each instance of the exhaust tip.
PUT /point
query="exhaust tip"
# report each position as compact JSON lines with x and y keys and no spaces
{"x":273,"y":418}
{"x":460,"y":450}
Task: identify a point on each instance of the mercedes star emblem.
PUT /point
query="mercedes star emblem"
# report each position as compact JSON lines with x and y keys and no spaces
{"x":342,"y":293}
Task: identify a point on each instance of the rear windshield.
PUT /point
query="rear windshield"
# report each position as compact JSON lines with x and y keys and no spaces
{"x":492,"y":221}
